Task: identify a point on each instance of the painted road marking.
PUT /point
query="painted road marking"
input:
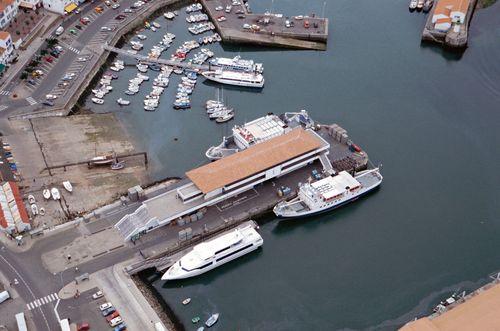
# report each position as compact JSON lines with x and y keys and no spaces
{"x":31,"y":101}
{"x":4,"y":92}
{"x":3,"y":107}
{"x":42,"y":301}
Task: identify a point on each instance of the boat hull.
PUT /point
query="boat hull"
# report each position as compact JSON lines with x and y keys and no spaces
{"x":234,"y":82}
{"x":198,"y":272}
{"x":327,"y":209}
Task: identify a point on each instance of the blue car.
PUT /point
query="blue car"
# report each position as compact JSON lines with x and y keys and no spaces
{"x":108,"y":311}
{"x":121,"y":327}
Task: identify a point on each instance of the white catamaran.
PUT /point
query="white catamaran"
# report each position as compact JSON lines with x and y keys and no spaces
{"x":329,"y":193}
{"x":213,"y":253}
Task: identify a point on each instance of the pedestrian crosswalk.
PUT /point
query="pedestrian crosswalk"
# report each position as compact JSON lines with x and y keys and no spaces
{"x":3,"y":107}
{"x":74,"y":50}
{"x":31,"y":101}
{"x":3,"y":92}
{"x":42,"y":301}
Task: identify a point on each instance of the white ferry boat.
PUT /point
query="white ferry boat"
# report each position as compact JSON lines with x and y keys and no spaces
{"x":257,"y":131}
{"x":329,"y":193}
{"x":213,"y":253}
{"x":237,"y":64}
{"x":237,"y":78}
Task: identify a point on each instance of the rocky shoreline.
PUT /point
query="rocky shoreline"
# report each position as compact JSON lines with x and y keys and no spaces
{"x":166,"y":314}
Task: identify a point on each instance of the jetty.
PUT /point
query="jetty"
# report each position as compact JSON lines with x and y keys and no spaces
{"x":448,"y":23}
{"x":147,"y":59}
{"x":268,"y":29}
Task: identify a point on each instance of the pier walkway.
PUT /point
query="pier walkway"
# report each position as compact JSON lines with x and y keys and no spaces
{"x":138,"y":57}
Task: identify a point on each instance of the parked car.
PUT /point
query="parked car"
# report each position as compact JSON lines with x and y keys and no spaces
{"x":97,"y":295}
{"x":108,"y":311}
{"x":72,"y":31}
{"x":83,"y":327}
{"x":98,"y":9}
{"x":287,"y":23}
{"x":59,"y":31}
{"x":120,"y":17}
{"x":84,"y":20}
{"x":306,"y":24}
{"x":115,"y":6}
{"x":105,"y":306}
{"x":50,"y":97}
{"x":79,"y":27}
{"x":116,"y":321}
{"x":121,"y":327}
{"x":54,"y":53}
{"x":107,"y":3}
{"x":58,"y":48}
{"x":219,"y":8}
{"x":49,"y":59}
{"x":247,"y":26}
{"x":48,"y":103}
{"x":221,"y":18}
{"x":31,"y":82}
{"x":241,"y":16}
{"x":128,"y":10}
{"x":112,"y":316}
{"x":106,"y":28}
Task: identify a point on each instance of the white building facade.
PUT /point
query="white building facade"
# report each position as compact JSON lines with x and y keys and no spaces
{"x":8,"y":10}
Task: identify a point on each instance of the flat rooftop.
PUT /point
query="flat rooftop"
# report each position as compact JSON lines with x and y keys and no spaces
{"x":480,"y":312}
{"x":254,"y":159}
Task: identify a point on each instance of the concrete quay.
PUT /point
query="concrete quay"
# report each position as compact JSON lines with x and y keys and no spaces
{"x":451,"y":38}
{"x":272,"y":30}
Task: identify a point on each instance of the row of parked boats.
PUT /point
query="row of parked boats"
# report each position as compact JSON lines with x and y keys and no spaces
{"x":419,"y":5}
{"x":196,"y":18}
{"x":203,"y":55}
{"x":105,"y":82}
{"x":216,"y":110}
{"x":194,"y":8}
{"x":160,"y":83}
{"x":202,"y":27}
{"x":184,"y":90}
{"x":210,"y":39}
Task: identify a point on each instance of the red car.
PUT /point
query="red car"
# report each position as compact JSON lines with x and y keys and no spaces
{"x":114,"y":315}
{"x":84,"y":21}
{"x":49,"y":59}
{"x":306,"y":24}
{"x":83,"y":327}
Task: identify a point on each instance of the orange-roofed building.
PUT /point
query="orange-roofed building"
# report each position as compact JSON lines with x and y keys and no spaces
{"x":13,"y":215}
{"x":6,"y":47}
{"x":452,"y":10}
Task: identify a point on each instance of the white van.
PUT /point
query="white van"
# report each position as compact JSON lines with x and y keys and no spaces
{"x":59,"y":31}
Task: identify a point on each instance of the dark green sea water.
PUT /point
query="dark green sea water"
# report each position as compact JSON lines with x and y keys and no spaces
{"x":431,"y":117}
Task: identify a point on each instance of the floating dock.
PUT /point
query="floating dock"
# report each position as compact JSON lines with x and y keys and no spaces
{"x":269,"y":29}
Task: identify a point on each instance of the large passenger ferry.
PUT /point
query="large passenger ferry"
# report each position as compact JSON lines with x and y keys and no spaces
{"x":211,"y":254}
{"x":238,"y":78}
{"x":257,"y":131}
{"x":237,"y":64}
{"x":329,"y":193}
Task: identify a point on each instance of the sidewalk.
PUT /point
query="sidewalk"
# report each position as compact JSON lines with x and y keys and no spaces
{"x":120,"y":290}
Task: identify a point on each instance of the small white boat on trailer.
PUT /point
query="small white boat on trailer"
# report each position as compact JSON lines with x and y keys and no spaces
{"x":31,"y":199}
{"x":34,"y":209}
{"x":55,"y":193}
{"x":46,"y":193}
{"x":67,"y":185}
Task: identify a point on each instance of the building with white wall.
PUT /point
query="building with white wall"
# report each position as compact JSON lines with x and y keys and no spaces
{"x":6,"y":47}
{"x":448,"y":12}
{"x":59,"y":6}
{"x":8,"y":10}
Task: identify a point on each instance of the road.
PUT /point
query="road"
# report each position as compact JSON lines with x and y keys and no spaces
{"x":37,"y":285}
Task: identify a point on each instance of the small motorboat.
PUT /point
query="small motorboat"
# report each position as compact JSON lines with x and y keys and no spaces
{"x":123,"y":102}
{"x":141,"y":37}
{"x":55,"y":193}
{"x":169,"y":15}
{"x":118,"y":165}
{"x":153,"y":29}
{"x":225,"y":118}
{"x":98,"y":101}
{"x":34,"y":209}
{"x":156,"y":25}
{"x":46,"y":193}
{"x":413,"y":4}
{"x":67,"y":185}
{"x":102,"y":159}
{"x":428,"y":5}
{"x":178,"y":71}
{"x":201,"y":328}
{"x":128,"y":92}
{"x":31,"y":199}
{"x":186,"y":301}
{"x":212,"y":320}
{"x":42,"y":211}
{"x":195,"y":319}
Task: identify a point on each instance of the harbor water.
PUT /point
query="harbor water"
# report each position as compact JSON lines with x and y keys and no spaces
{"x":431,"y":118}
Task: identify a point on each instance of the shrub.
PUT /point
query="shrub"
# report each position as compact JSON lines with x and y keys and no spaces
{"x":24,"y":75}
